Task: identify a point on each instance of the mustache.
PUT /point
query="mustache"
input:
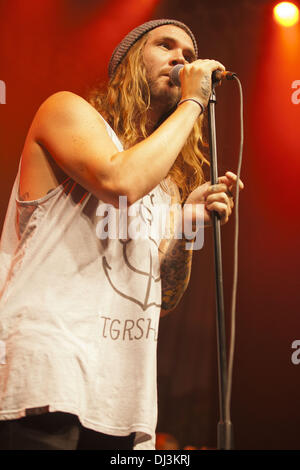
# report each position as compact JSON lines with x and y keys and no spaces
{"x":166,"y":71}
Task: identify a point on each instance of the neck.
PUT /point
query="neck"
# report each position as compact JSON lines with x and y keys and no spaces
{"x":156,"y":114}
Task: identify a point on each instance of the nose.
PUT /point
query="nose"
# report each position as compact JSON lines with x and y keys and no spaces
{"x":177,"y":57}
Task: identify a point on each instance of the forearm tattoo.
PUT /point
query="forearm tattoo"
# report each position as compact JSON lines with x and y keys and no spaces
{"x":176,"y":266}
{"x":205,"y":87}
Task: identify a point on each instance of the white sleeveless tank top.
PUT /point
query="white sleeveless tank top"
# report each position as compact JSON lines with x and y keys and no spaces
{"x":79,"y":315}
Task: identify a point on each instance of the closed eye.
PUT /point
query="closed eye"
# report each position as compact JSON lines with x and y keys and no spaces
{"x":165,"y":44}
{"x":169,"y":43}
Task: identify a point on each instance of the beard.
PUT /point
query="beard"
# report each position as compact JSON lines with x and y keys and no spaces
{"x":164,"y":98}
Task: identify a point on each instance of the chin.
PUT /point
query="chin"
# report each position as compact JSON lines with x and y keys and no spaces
{"x":166,"y":96}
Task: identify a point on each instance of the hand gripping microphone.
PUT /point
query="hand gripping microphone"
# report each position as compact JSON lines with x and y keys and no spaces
{"x":217,"y":75}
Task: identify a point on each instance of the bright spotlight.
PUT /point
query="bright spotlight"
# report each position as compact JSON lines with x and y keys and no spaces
{"x":286,"y":14}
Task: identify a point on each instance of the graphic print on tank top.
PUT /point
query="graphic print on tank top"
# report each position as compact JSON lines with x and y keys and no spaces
{"x":148,"y":275}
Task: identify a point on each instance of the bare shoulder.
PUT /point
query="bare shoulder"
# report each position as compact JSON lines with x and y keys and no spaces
{"x":66,"y":107}
{"x":72,"y":133}
{"x":66,"y":98}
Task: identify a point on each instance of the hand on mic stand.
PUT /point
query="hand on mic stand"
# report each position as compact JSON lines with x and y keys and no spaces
{"x":180,"y":75}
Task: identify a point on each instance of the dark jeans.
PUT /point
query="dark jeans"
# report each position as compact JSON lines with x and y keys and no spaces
{"x":57,"y":431}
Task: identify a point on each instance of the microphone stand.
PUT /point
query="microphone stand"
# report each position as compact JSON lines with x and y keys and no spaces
{"x":224,"y":430}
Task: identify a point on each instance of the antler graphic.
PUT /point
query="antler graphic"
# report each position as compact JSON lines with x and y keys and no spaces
{"x":106,"y":267}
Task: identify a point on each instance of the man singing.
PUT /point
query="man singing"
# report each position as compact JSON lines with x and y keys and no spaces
{"x":80,"y":296}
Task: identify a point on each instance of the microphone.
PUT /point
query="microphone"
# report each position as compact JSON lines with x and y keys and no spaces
{"x":217,"y":75}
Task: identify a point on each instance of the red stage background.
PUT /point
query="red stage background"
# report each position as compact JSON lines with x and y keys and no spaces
{"x":65,"y":45}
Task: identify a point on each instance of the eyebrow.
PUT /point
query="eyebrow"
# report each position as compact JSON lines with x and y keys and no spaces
{"x":173,"y":41}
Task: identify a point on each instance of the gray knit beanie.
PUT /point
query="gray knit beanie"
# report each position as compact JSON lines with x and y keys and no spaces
{"x":131,"y":38}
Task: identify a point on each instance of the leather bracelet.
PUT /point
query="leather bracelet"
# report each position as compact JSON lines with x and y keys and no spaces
{"x":196,"y":101}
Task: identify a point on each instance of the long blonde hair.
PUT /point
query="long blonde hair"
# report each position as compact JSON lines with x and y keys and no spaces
{"x":124,"y":103}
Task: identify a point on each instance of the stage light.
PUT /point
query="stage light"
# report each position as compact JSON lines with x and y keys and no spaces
{"x":286,"y":14}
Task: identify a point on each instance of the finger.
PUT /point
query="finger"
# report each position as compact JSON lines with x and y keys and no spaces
{"x":215,"y":188}
{"x":224,"y":180}
{"x":233,"y":178}
{"x":223,"y":220}
{"x":229,"y":179}
{"x":222,"y":209}
{"x":218,"y":197}
{"x":215,"y":64}
{"x":231,"y":185}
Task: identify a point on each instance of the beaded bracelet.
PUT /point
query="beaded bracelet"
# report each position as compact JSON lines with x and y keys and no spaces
{"x":196,"y":101}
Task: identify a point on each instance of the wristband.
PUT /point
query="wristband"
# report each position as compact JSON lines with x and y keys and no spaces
{"x":196,"y":101}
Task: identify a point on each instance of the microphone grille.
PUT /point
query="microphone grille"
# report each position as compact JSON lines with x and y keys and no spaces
{"x":174,"y":74}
